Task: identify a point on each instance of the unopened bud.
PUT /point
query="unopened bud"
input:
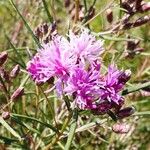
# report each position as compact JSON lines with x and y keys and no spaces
{"x":126,"y":112}
{"x":15,"y":71}
{"x":17,"y":94}
{"x":67,"y":3}
{"x":141,"y":21}
{"x":91,"y":12}
{"x":109,"y":14}
{"x":127,"y":7}
{"x":3,"y":57}
{"x":131,"y":45}
{"x":5,"y":115}
{"x":125,"y":76}
{"x":138,"y":50}
{"x":138,"y":4}
{"x":145,"y":7}
{"x":4,"y":75}
{"x":121,"y":128}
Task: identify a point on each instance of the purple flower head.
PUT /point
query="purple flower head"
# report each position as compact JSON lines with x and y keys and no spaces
{"x":53,"y":59}
{"x":113,"y":83}
{"x":84,"y":85}
{"x":85,"y":46}
{"x":75,"y":65}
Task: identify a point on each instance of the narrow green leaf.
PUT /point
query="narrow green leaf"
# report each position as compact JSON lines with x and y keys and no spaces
{"x":72,"y":130}
{"x":11,"y":130}
{"x":90,"y":125}
{"x":135,"y":88}
{"x":47,"y":11}
{"x":26,"y":24}
{"x":17,"y":62}
{"x":144,"y":113}
{"x":24,"y":81}
{"x":25,"y":125}
{"x":115,"y":38}
{"x":7,"y":140}
{"x":18,"y":54}
{"x":36,"y":120}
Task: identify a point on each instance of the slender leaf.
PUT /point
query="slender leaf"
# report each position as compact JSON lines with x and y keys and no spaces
{"x":18,"y":54}
{"x":72,"y":130}
{"x":25,"y":125}
{"x":11,"y":130}
{"x":135,"y":88}
{"x":47,"y":11}
{"x":144,"y":113}
{"x":90,"y":125}
{"x":36,"y":120}
{"x":7,"y":140}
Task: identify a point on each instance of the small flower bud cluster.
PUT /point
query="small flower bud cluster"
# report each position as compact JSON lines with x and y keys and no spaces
{"x":45,"y":32}
{"x":131,"y":8}
{"x":83,"y":16}
{"x":132,"y":48}
{"x":6,"y":79}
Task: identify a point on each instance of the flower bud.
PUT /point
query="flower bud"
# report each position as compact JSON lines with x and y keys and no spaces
{"x":67,"y":3}
{"x":131,"y":45}
{"x":145,"y":7}
{"x":4,"y":75}
{"x":3,"y":57}
{"x":91,"y":12}
{"x":5,"y":115}
{"x":17,"y":94}
{"x":126,"y":112}
{"x":138,"y":50}
{"x":121,"y":128}
{"x":127,"y":7}
{"x":15,"y":71}
{"x":138,"y":4}
{"x":109,"y":14}
{"x":125,"y":76}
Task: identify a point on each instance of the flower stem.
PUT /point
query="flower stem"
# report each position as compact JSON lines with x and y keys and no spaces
{"x":77,"y":11}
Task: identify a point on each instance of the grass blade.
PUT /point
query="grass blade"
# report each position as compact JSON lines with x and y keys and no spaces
{"x":72,"y":130}
{"x":18,"y":54}
{"x":90,"y":125}
{"x":7,"y":140}
{"x":36,"y":120}
{"x":25,"y":125}
{"x":144,"y":113}
{"x":135,"y":88}
{"x":11,"y":130}
{"x":25,"y":23}
{"x":47,"y":11}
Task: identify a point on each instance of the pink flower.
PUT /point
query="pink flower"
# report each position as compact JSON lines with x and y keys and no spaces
{"x":53,"y":59}
{"x":113,"y":83}
{"x":85,"y":46}
{"x":84,"y":85}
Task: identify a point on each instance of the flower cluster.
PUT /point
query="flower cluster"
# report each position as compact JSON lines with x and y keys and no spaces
{"x":75,"y":64}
